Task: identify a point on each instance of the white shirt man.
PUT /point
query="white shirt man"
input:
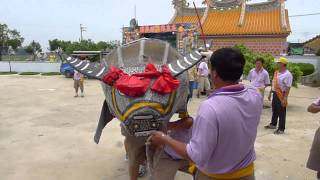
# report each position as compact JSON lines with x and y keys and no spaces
{"x":259,"y":77}
{"x":203,"y":72}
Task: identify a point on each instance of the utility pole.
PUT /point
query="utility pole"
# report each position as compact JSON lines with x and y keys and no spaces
{"x":82,"y":29}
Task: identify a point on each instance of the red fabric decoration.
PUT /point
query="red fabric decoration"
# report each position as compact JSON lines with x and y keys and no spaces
{"x":149,"y":72}
{"x":166,"y":83}
{"x":113,"y":75}
{"x":138,"y":84}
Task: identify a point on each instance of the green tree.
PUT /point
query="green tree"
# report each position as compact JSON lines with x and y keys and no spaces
{"x":32,"y":48}
{"x":9,"y":37}
{"x":269,"y":64}
{"x":84,"y":45}
{"x":56,"y":43}
{"x":28,"y":49}
{"x":103,"y":45}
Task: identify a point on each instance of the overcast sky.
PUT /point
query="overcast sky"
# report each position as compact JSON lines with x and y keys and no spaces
{"x":42,"y":20}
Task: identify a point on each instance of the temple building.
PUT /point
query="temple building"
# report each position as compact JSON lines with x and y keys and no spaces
{"x":262,"y":27}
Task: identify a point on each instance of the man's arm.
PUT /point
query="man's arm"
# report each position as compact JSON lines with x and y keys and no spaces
{"x":160,"y":139}
{"x":284,"y":101}
{"x":185,"y":123}
{"x":249,"y":76}
{"x":202,"y":143}
{"x":313,"y":108}
{"x":267,"y":80}
{"x":288,"y":82}
{"x":270,"y":93}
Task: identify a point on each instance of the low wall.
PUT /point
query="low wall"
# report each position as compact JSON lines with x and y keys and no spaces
{"x":29,"y":66}
{"x":312,"y":79}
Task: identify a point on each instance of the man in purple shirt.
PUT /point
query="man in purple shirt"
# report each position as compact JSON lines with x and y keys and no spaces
{"x":225,"y":128}
{"x":259,"y":77}
{"x":314,"y":157}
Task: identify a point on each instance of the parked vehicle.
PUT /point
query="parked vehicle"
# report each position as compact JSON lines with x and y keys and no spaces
{"x":295,"y":49}
{"x":67,"y":70}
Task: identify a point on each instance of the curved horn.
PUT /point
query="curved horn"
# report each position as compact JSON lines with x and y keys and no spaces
{"x":93,"y":70}
{"x":182,"y":65}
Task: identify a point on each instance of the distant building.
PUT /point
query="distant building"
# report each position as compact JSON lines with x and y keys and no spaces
{"x":182,"y":36}
{"x":312,"y":46}
{"x":262,"y":27}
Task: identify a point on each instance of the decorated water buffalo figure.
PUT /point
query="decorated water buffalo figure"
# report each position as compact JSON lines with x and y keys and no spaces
{"x":144,"y":83}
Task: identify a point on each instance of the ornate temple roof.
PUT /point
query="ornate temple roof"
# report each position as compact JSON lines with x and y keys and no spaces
{"x":223,"y":18}
{"x":188,"y":15}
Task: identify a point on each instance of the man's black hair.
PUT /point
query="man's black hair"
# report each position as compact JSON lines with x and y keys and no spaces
{"x":228,"y":63}
{"x":260,"y":59}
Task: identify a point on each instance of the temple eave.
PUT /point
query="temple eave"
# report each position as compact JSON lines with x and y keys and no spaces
{"x":245,"y":35}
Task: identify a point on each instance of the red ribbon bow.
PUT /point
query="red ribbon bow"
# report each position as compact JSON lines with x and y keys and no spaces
{"x":138,"y":84}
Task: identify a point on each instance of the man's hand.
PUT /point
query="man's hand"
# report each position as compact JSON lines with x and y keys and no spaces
{"x":269,"y":97}
{"x":284,"y":102}
{"x":158,"y":138}
{"x":314,"y":108}
{"x":184,"y":123}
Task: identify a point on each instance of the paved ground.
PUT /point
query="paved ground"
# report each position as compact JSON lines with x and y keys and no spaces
{"x":45,"y":133}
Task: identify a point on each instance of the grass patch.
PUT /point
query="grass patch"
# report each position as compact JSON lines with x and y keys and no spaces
{"x":7,"y":73}
{"x":51,"y":74}
{"x":29,"y":73}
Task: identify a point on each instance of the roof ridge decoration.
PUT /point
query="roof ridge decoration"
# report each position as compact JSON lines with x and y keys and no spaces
{"x":262,"y":6}
{"x":283,"y":14}
{"x":186,"y":14}
{"x":224,"y":4}
{"x":243,"y":12}
{"x":180,"y":4}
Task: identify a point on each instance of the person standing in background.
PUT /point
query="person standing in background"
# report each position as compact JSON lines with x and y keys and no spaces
{"x":78,"y":79}
{"x":314,"y":157}
{"x":281,"y":84}
{"x":259,"y":77}
{"x":203,"y":72}
{"x":192,"y":80}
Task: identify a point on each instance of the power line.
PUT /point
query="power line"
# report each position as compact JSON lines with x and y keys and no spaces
{"x":300,"y":15}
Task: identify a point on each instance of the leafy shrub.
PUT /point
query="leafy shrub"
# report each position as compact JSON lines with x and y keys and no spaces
{"x":296,"y":73}
{"x":8,"y":73}
{"x":51,"y":74}
{"x":269,"y":64}
{"x":306,"y":68}
{"x":29,"y":73}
